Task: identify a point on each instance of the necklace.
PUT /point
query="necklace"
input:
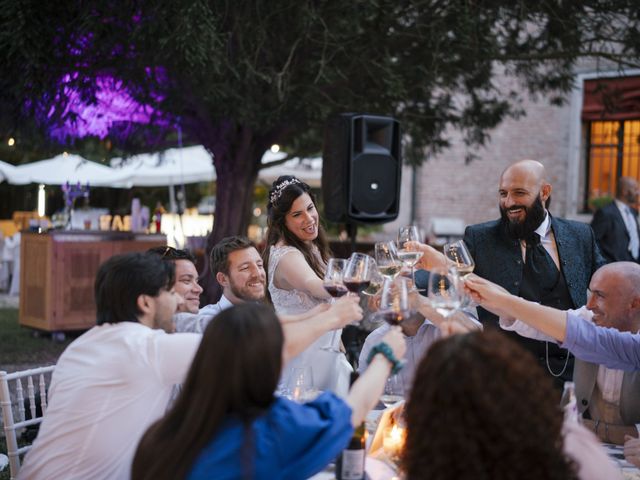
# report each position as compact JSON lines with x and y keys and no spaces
{"x":566,"y":362}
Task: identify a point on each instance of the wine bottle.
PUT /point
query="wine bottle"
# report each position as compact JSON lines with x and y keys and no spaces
{"x":350,"y":463}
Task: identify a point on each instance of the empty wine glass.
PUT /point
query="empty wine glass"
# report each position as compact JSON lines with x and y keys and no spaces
{"x":395,"y":304}
{"x":357,"y":275}
{"x":409,"y":257}
{"x":334,"y":286}
{"x":444,"y":291}
{"x":300,"y":386}
{"x":387,"y":259}
{"x":458,"y":253}
{"x":393,"y":390}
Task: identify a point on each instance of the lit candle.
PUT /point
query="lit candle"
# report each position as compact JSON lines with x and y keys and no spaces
{"x":393,"y":440}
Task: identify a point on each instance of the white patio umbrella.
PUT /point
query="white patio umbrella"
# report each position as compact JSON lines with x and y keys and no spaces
{"x":309,"y":170}
{"x":170,"y":167}
{"x":65,"y":168}
{"x":10,"y":174}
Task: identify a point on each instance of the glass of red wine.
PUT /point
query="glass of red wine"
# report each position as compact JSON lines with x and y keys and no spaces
{"x":334,"y":286}
{"x":357,"y":275}
{"x":333,"y":277}
{"x":395,"y":302}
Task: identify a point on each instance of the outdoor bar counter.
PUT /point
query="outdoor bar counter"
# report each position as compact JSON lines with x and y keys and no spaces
{"x":58,"y":270}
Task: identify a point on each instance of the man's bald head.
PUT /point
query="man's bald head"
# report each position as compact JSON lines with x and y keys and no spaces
{"x":627,"y":275}
{"x":531,"y":169}
{"x":627,"y":191}
{"x":615,"y":296}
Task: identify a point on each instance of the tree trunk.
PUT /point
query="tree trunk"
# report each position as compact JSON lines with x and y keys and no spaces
{"x":237,"y":163}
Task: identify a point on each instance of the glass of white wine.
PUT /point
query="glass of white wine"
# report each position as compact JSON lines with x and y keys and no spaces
{"x":376,"y":280}
{"x":409,"y":257}
{"x":389,"y":264}
{"x":458,"y":253}
{"x":444,"y":291}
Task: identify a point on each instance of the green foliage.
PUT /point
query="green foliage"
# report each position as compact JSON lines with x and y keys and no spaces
{"x":240,"y":75}
{"x":281,"y":67}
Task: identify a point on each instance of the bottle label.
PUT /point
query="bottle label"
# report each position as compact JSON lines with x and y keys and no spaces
{"x":352,"y":464}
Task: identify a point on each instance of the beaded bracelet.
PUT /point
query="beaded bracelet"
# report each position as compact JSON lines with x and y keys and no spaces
{"x":385,"y":350}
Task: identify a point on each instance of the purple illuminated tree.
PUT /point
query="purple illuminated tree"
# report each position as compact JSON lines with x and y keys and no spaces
{"x":238,"y":76}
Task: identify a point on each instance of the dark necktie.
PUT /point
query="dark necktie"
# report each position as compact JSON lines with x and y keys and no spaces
{"x":540,"y":264}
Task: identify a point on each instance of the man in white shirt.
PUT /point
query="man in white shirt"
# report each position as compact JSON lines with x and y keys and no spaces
{"x":608,"y":398}
{"x":238,"y":268}
{"x":616,"y":224}
{"x":112,"y":382}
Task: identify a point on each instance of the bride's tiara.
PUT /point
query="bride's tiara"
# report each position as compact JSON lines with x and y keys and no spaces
{"x":277,"y":191}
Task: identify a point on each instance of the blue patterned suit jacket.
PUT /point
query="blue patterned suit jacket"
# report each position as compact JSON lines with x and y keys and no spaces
{"x":499,"y":258}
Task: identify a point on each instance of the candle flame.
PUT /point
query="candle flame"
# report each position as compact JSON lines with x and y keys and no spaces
{"x":396,"y":433}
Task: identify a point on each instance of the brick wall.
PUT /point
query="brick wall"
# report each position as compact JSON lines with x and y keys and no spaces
{"x":446,"y":187}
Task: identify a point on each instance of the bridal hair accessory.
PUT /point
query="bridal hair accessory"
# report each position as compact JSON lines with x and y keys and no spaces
{"x":277,"y":191}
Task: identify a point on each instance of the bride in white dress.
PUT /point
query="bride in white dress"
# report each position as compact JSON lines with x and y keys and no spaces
{"x":295,"y":258}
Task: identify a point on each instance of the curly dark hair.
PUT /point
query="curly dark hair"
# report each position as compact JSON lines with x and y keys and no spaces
{"x":280,"y":200}
{"x":481,"y":408}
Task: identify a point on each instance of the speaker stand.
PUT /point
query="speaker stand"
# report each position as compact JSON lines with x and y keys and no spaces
{"x":352,"y":231}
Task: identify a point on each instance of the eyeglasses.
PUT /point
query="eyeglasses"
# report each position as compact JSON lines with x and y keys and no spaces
{"x":170,"y":253}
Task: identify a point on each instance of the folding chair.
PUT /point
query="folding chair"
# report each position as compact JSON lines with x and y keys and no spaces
{"x":37,"y":382}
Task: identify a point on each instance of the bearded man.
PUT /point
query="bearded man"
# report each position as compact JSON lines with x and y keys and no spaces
{"x":535,"y":256}
{"x":237,"y":267}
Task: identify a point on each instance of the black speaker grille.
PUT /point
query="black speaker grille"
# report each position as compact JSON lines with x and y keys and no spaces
{"x":373,"y":183}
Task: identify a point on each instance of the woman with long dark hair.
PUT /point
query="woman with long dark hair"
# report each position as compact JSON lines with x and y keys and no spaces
{"x":295,"y":258}
{"x":227,"y":423}
{"x":481,"y":408}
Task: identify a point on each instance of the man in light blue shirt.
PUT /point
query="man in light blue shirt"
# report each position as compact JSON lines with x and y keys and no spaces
{"x":586,"y":340}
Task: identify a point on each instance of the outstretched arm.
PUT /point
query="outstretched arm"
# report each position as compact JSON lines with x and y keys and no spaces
{"x":300,"y":334}
{"x":431,"y":258}
{"x":496,"y":299}
{"x":366,"y":391}
{"x":293,"y":272}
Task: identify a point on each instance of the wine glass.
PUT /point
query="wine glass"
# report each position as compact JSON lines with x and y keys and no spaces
{"x":444,"y":291}
{"x":332,"y":283}
{"x":395,"y":304}
{"x":409,"y":257}
{"x":300,"y":386}
{"x":357,"y":275}
{"x":458,"y":253}
{"x":393,"y":390}
{"x":376,"y":280}
{"x":387,"y":259}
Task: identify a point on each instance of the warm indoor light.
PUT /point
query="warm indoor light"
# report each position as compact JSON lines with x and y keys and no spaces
{"x":11,"y":142}
{"x":41,"y":200}
{"x":257,"y":212}
{"x":275,"y":148}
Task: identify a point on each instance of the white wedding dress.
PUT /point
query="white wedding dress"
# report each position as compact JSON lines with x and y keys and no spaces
{"x":330,"y":370}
